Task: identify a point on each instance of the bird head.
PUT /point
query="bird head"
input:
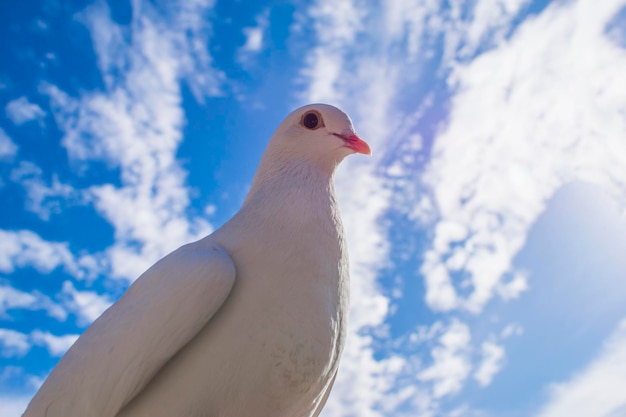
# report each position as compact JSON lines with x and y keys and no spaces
{"x":318,"y":132}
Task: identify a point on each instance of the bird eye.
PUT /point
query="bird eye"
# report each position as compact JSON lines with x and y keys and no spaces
{"x":311,"y":120}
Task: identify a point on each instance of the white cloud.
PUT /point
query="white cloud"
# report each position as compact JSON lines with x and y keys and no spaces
{"x":503,"y":152}
{"x":451,"y":362}
{"x":495,"y":163}
{"x":22,"y":248}
{"x":365,"y":385}
{"x":88,"y":305}
{"x":360,"y":374}
{"x":493,"y":356}
{"x":13,"y":343}
{"x":514,"y":288}
{"x":511,"y":329}
{"x":136,"y":125}
{"x":181,"y":29}
{"x":254,"y":34}
{"x":365,"y":79}
{"x":336,"y":25}
{"x":447,"y":232}
{"x":56,"y":345}
{"x":598,"y":389}
{"x":14,"y":375}
{"x":12,"y":406}
{"x":42,"y":199}
{"x":190,"y":35}
{"x":254,"y":39}
{"x":21,"y":111}
{"x":14,"y":299}
{"x":8,"y":148}
{"x":440,"y":294}
{"x":489,"y":25}
{"x":615,"y":29}
{"x":521,"y":126}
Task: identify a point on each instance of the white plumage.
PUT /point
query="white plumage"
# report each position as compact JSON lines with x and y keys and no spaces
{"x":247,"y":322}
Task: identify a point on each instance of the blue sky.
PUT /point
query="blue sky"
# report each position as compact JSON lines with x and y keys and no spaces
{"x":487,"y":233}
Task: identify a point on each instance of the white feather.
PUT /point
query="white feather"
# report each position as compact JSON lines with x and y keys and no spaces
{"x":249,"y":321}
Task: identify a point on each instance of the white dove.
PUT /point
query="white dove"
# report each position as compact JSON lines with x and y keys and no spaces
{"x":249,"y":321}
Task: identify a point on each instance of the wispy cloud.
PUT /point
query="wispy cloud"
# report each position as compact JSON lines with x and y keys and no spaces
{"x":8,"y":148}
{"x":336,"y":73}
{"x":597,"y":390}
{"x":493,"y":356}
{"x":136,"y":126}
{"x":56,"y":345}
{"x":336,"y":26}
{"x":16,"y":344}
{"x":87,"y":305}
{"x":24,"y":248}
{"x":13,"y":343}
{"x":14,"y":299}
{"x":11,"y":406}
{"x":520,"y":127}
{"x":21,"y":110}
{"x":255,"y":34}
{"x":503,"y":151}
{"x":451,"y":361}
{"x":255,"y":40}
{"x":44,"y":199}
{"x":525,"y":116}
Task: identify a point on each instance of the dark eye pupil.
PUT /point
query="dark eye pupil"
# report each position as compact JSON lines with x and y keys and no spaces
{"x":310,"y":121}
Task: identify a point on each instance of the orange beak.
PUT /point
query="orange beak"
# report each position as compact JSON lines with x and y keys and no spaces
{"x":355,"y":143}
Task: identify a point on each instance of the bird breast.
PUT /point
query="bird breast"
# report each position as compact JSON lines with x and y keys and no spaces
{"x":275,"y":343}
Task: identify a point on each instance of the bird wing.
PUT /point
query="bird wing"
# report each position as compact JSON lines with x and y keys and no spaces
{"x":320,"y":405}
{"x":124,"y":348}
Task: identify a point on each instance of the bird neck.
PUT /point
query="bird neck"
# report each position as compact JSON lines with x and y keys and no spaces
{"x":295,"y":189}
{"x":280,"y":171}
{"x":280,"y":164}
